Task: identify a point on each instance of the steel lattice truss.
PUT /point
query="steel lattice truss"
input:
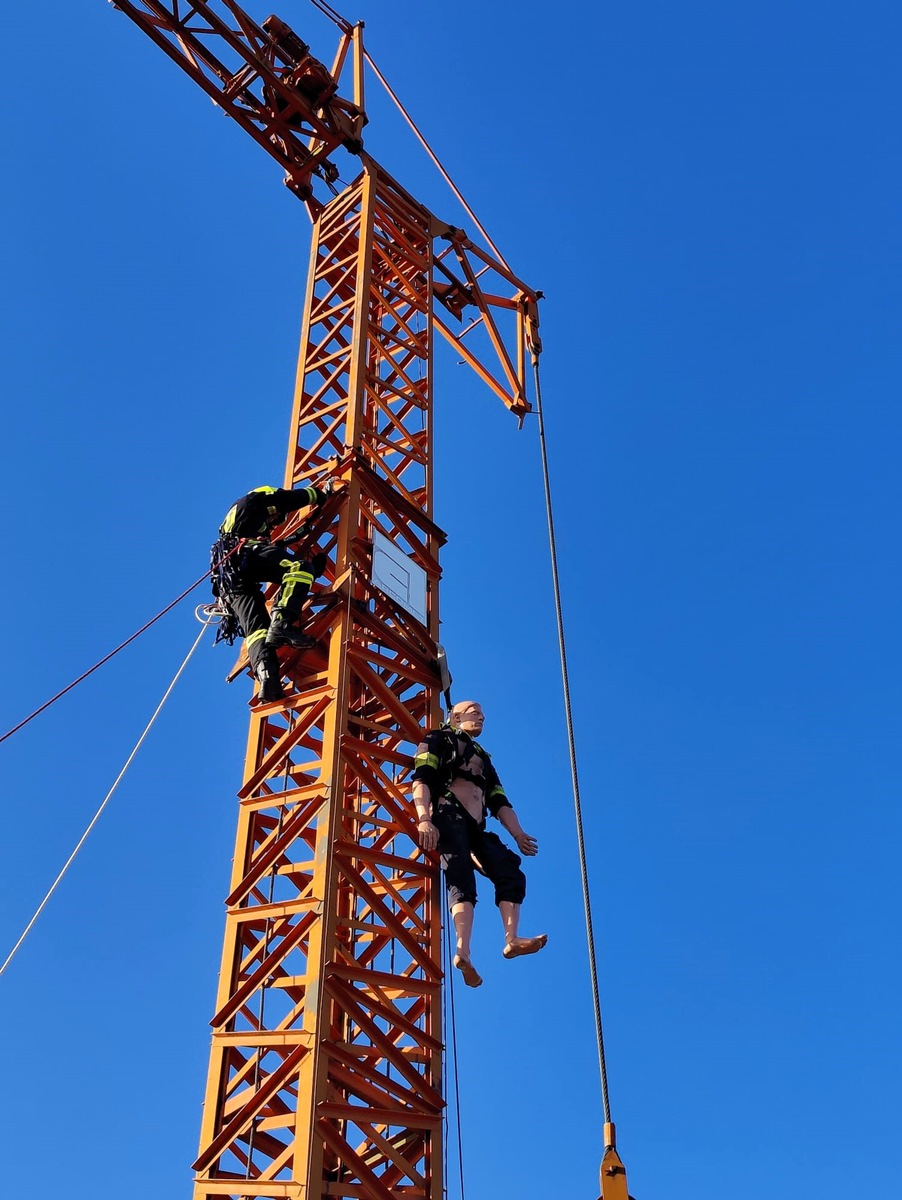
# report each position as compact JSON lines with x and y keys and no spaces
{"x":263,"y":76}
{"x":326,"y":1069}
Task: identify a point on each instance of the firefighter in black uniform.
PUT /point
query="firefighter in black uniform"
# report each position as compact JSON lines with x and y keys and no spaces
{"x":243,"y":559}
{"x":455,"y":786}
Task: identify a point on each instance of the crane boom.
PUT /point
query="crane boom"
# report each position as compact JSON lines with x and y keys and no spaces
{"x":263,"y":76}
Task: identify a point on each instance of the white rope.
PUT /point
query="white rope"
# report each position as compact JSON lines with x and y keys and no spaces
{"x":107,"y":798}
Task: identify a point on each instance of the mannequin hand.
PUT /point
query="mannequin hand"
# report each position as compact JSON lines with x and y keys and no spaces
{"x":427,"y":834}
{"x":527,"y":844}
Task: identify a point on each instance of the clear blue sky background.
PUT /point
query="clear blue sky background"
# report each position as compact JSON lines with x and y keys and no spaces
{"x":709,"y":196}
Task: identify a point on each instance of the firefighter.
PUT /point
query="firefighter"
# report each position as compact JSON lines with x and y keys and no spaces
{"x":244,"y":558}
{"x":455,"y":787}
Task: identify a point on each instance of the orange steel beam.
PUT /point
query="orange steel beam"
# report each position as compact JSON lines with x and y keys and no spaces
{"x":326,"y":1066}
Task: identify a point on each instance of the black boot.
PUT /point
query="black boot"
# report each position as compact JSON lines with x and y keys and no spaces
{"x":270,"y":682}
{"x":283,"y":634}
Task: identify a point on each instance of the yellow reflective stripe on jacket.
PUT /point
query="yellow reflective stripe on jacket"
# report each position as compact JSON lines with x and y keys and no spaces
{"x":295,"y":575}
{"x":426,"y":760}
{"x":255,"y":636}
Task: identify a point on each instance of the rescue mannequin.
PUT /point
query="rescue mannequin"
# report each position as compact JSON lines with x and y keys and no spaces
{"x":455,"y":786}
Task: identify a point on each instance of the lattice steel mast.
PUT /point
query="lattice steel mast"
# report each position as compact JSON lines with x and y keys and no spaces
{"x":325,"y":1075}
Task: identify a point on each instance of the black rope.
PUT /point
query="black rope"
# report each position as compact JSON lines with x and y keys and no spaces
{"x":445,"y":1027}
{"x":587,"y":904}
{"x":450,"y":980}
{"x":328,"y":11}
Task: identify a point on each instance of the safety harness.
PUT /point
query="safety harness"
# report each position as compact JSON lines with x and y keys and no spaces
{"x":456,"y":765}
{"x":225,"y":577}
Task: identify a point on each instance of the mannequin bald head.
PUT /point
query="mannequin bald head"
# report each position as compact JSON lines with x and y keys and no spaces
{"x":468,"y":716}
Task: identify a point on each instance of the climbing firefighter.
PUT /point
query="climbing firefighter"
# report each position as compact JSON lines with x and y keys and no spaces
{"x":455,"y":786}
{"x":243,"y":558}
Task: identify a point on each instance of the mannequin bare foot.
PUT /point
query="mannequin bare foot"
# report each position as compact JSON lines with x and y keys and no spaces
{"x":520,"y":945}
{"x":472,"y":978}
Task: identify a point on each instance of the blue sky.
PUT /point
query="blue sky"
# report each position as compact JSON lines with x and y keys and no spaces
{"x":709,"y":196}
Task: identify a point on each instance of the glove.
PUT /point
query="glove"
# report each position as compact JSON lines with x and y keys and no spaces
{"x":318,"y":564}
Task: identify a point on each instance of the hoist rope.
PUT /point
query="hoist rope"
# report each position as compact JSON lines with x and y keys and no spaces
{"x":106,"y":800}
{"x":445,"y":1107}
{"x":106,"y":658}
{"x":329,"y":11}
{"x":449,"y":972}
{"x":346,"y":27}
{"x":447,"y":178}
{"x":584,"y":873}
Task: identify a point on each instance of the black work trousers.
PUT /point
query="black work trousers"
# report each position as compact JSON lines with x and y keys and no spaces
{"x":466,"y":848}
{"x":267,"y":562}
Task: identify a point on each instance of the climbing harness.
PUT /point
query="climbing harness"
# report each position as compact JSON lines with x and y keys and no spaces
{"x":226,"y":560}
{"x":457,"y":759}
{"x":225,"y":564}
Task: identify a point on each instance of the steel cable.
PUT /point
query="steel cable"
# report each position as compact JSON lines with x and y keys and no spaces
{"x":435,"y":159}
{"x":453,"y":1023}
{"x":571,"y":742}
{"x":106,"y":800}
{"x":90,"y":671}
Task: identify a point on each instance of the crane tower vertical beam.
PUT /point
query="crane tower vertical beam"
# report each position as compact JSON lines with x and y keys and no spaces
{"x":325,"y":1076}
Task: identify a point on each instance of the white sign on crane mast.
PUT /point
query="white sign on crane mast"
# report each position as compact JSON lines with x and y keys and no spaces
{"x":396,"y":574}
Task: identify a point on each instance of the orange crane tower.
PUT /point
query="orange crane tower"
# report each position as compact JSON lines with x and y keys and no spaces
{"x":326,"y":1066}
